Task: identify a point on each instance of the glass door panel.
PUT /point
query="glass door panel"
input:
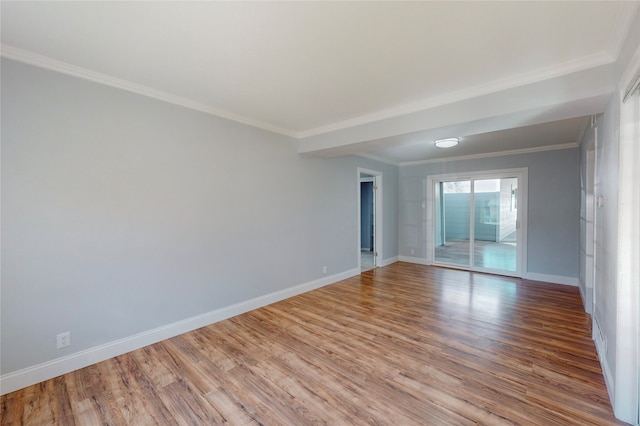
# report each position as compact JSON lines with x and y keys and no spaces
{"x":452,"y":222}
{"x":495,"y":236}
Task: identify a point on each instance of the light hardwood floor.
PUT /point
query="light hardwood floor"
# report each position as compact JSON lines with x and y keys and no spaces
{"x":399,"y":345}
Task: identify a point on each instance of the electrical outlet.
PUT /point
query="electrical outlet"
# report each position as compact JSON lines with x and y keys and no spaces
{"x":413,"y":252}
{"x":63,"y":340}
{"x":324,"y":269}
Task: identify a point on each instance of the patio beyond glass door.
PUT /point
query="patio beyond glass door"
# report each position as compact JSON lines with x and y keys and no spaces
{"x":453,"y":214}
{"x":476,"y":224}
{"x":496,"y":218}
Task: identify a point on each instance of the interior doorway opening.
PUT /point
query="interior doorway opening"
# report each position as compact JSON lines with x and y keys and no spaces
{"x":369,"y":219}
{"x":367,"y":223}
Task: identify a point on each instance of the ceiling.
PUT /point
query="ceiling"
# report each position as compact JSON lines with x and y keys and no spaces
{"x":382,"y":79}
{"x":539,"y":137}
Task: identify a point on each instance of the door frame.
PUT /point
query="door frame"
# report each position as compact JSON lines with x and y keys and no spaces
{"x":377,"y":226}
{"x":521,"y":254}
{"x":588,"y":298}
{"x":373,"y":202}
{"x":626,"y":392}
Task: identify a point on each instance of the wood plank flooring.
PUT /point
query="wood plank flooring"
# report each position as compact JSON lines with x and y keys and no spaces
{"x":401,"y":345}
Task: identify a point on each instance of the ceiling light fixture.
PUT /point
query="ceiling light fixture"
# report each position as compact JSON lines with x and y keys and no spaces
{"x":446,"y":143}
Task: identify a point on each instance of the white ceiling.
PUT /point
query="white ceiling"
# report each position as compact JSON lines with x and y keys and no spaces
{"x":414,"y":147}
{"x":346,"y":77}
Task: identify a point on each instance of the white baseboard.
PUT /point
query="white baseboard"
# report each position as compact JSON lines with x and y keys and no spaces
{"x":554,"y":279}
{"x":608,"y":380}
{"x":389,"y":261}
{"x":410,"y":259}
{"x":606,"y":372}
{"x":587,"y":298}
{"x":31,"y":375}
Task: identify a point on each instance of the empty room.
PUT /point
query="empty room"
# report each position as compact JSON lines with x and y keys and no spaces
{"x":320,"y":213}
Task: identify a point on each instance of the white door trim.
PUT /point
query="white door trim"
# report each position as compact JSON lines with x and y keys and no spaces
{"x":626,"y":393}
{"x":522,"y":174}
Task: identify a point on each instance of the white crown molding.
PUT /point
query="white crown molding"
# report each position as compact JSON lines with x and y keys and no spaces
{"x":379,"y":159}
{"x":41,"y":61}
{"x":569,"y":67}
{"x":493,"y":154}
{"x":630,"y":76}
{"x":580,"y":64}
{"x":582,"y":130}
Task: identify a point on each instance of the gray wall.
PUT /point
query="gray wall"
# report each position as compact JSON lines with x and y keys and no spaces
{"x":553,"y":206}
{"x":121,"y":213}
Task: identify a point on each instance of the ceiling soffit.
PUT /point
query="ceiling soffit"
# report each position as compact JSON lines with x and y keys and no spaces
{"x":564,"y":90}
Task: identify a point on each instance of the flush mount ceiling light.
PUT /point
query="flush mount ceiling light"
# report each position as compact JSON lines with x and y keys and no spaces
{"x":446,"y":143}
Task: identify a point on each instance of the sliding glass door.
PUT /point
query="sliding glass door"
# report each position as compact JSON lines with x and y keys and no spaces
{"x":496,"y":220}
{"x":476,"y":222}
{"x":452,"y":232}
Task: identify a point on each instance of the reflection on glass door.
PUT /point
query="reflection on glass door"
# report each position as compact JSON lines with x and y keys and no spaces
{"x":495,"y":223}
{"x":476,"y":223}
{"x":452,"y":213}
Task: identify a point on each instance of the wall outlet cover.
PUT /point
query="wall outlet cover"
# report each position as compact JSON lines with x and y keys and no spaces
{"x":63,"y":340}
